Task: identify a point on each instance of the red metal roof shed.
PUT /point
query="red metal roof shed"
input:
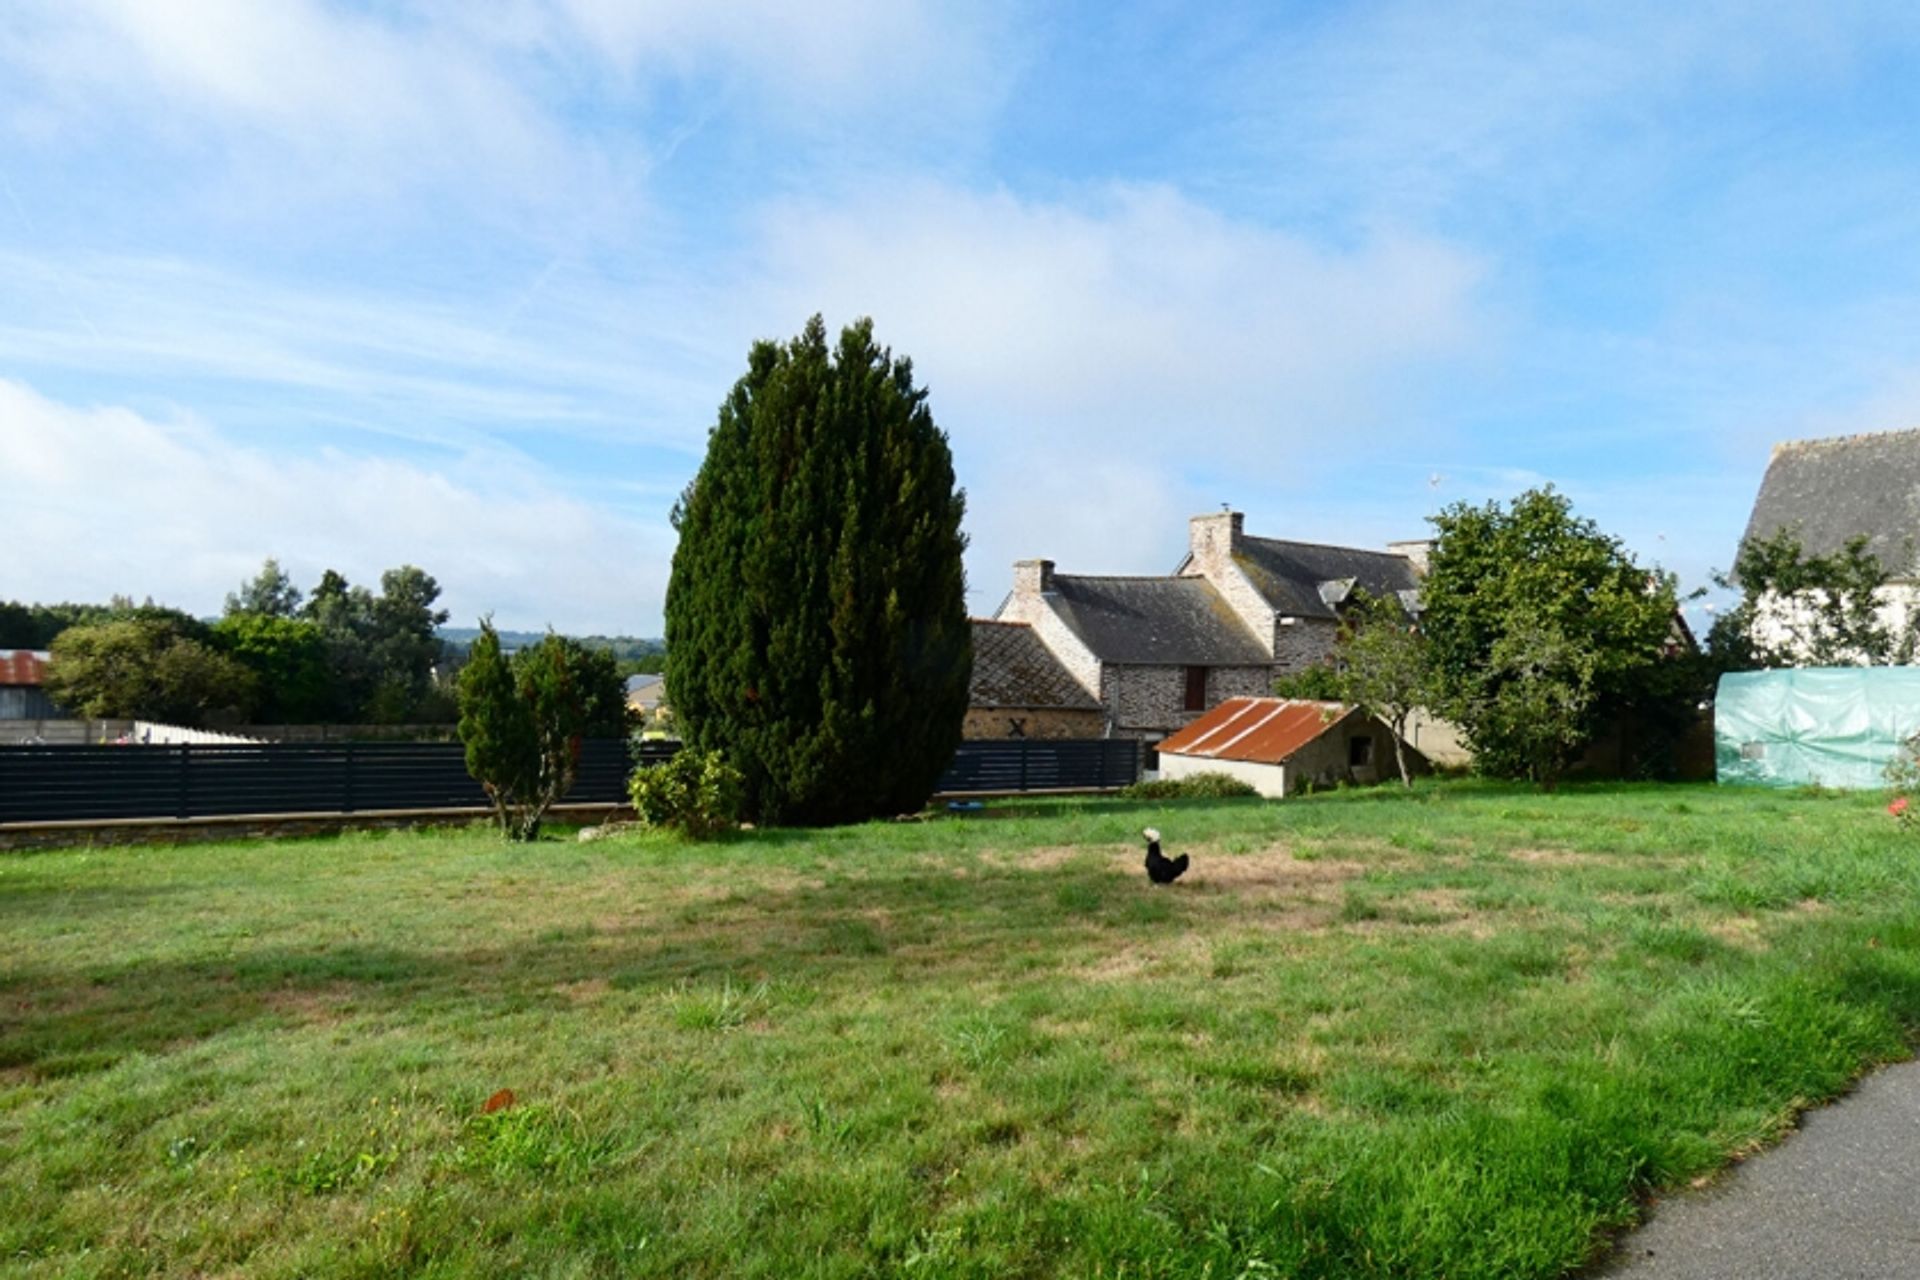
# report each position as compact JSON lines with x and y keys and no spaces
{"x":1256,"y":730}
{"x":23,"y":667}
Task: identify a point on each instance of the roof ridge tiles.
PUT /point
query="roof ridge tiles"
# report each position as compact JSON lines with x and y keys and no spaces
{"x":1787,"y":446}
{"x":1329,"y":546}
{"x":1127,"y":577}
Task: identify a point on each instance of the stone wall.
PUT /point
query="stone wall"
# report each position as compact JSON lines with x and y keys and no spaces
{"x":1035,"y":722}
{"x":1303,"y":642}
{"x":1142,"y":701}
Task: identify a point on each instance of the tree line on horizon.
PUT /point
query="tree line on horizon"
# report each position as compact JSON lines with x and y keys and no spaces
{"x":339,"y":654}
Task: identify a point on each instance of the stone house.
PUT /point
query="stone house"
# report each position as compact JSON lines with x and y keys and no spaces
{"x":1290,"y":594}
{"x":1831,"y":491}
{"x":1156,"y":652}
{"x":1020,"y":690}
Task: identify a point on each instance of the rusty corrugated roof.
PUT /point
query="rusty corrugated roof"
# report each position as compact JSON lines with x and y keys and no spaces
{"x":23,"y":666}
{"x":1256,"y":730}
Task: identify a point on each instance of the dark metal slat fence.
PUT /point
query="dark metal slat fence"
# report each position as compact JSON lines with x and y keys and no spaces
{"x":76,"y":783}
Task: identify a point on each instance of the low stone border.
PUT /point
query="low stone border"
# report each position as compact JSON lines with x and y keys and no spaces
{"x":21,"y":836}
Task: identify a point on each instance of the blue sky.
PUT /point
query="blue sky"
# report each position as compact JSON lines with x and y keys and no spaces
{"x":358,"y":284}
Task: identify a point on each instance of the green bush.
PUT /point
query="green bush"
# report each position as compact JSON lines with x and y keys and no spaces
{"x":1199,"y":786}
{"x":696,"y":792}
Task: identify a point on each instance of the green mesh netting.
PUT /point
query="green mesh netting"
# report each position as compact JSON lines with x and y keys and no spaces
{"x":1830,"y":726}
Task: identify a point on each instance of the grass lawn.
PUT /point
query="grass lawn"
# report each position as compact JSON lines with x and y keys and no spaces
{"x":1454,"y":1034}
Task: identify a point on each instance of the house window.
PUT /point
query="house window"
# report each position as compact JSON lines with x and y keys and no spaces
{"x":1359,"y":751}
{"x":1196,"y":689}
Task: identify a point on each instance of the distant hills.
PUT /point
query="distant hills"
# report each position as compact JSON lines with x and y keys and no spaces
{"x":625,"y":647}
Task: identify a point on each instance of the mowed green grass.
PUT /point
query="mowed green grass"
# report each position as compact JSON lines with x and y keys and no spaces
{"x":1461,"y":1033}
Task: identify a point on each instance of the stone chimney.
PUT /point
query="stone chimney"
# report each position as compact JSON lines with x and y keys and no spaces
{"x":1032,"y":577}
{"x":1418,"y":551}
{"x":1213,"y":539}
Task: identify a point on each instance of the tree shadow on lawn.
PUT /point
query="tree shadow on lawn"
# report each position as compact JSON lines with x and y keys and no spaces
{"x":921,"y":923}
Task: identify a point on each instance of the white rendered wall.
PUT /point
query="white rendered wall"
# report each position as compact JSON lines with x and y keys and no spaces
{"x":1269,"y":780}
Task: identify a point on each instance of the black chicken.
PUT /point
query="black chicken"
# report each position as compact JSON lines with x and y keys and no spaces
{"x":1160,"y":868}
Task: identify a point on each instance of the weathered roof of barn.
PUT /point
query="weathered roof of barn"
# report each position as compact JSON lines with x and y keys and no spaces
{"x":1829,"y":491}
{"x":23,"y":666}
{"x":1156,"y":622}
{"x":1309,"y":579}
{"x":1012,"y":668}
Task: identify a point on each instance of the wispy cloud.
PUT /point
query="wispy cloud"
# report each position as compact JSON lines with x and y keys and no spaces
{"x":118,"y":502}
{"x":1096,"y":359}
{"x":435,"y":367}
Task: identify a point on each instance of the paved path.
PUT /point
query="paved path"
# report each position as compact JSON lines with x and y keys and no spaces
{"x":1837,"y":1200}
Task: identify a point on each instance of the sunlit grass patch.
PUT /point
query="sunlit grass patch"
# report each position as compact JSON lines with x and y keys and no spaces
{"x":1460,"y":1032}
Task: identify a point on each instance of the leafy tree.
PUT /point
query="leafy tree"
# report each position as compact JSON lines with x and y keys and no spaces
{"x":33,"y":626}
{"x":816,"y":619}
{"x":147,"y":667}
{"x":522,"y":720}
{"x":268,"y":594}
{"x":1384,"y":668}
{"x":343,"y":613}
{"x":402,"y":633}
{"x":1319,"y":682}
{"x":288,"y":659}
{"x":1805,"y":610}
{"x":1534,"y":594}
{"x":382,"y":650}
{"x":1536,"y":705}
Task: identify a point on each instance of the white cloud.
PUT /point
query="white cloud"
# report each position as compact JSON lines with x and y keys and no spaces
{"x":558,"y":109}
{"x":581,"y":360}
{"x":1134,"y":313}
{"x":112,"y":502}
{"x":1099,"y":364}
{"x":316,"y":98}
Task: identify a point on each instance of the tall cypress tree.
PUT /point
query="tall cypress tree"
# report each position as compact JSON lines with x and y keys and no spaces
{"x":816,"y":617}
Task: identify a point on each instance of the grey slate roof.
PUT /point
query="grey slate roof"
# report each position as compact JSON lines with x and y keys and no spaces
{"x":1307,"y":579}
{"x":1833,"y":490}
{"x":1156,"y":622}
{"x":1012,"y":668}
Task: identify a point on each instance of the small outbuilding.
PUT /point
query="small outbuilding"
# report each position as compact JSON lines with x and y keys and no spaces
{"x":22,"y":673}
{"x":1285,"y":745}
